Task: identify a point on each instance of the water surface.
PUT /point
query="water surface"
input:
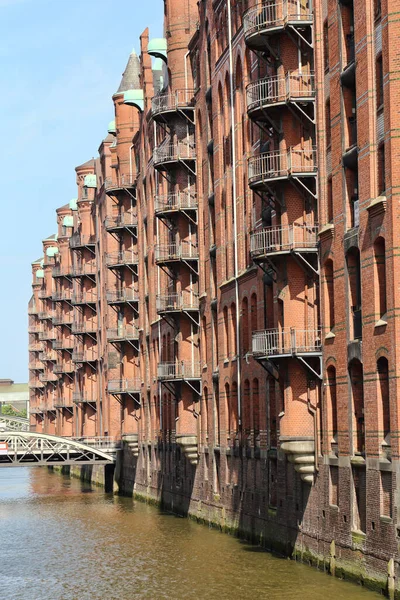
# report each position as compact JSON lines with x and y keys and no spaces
{"x":62,"y":540}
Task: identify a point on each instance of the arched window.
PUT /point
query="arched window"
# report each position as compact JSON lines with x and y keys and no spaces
{"x":329,"y":296}
{"x":332,"y":408}
{"x":234,"y":410}
{"x":380,"y":277}
{"x":204,"y":340}
{"x":383,"y":401}
{"x":354,"y":274}
{"x":357,"y":388}
{"x":226,"y":332}
{"x":245,"y":325}
{"x":253,"y":313}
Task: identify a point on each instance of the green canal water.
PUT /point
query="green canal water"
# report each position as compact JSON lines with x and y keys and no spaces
{"x":63,"y":540}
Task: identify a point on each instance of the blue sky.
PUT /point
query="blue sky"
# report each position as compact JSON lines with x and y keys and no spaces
{"x":60,"y":61}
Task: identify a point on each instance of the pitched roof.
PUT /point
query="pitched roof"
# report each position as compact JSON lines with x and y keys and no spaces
{"x":88,"y":163}
{"x":130,"y":77}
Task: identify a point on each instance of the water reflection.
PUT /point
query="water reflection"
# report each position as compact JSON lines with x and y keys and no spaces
{"x":63,"y":540}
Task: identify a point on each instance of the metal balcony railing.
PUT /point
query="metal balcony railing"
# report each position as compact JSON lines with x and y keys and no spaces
{"x":89,"y":355}
{"x":127,"y":332}
{"x":124,"y":220}
{"x":185,"y":301}
{"x":36,"y":384}
{"x":281,"y":165}
{"x":35,"y":347}
{"x":47,"y":335}
{"x":183,"y":369}
{"x":122,"y":182}
{"x":83,"y":397}
{"x":59,"y":296}
{"x":63,"y":402}
{"x":84,"y":327}
{"x":32,"y":310}
{"x":63,"y":344}
{"x":276,"y":342}
{"x":116,"y":259}
{"x":283,"y":239}
{"x":62,"y":319}
{"x":80,"y":240}
{"x":121,"y":386}
{"x":125,"y":295}
{"x":269,"y":16}
{"x":48,"y":355}
{"x":169,"y":151}
{"x":64,"y":367}
{"x":177,"y":100}
{"x":45,"y":377}
{"x":83,"y":298}
{"x":180,"y":201}
{"x":43,"y":294}
{"x":87,"y":268}
{"x":61,"y":271}
{"x":36,"y":365}
{"x":277,"y":90}
{"x":184,"y":250}
{"x":45,"y":314}
{"x":35,"y":328}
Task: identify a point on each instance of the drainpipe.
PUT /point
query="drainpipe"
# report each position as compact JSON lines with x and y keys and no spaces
{"x":234,"y":187}
{"x":186,"y":70}
{"x":130,"y":164}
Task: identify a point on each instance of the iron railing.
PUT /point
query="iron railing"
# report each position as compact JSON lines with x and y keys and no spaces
{"x":127,"y":332}
{"x":47,"y":335}
{"x":63,"y":402}
{"x":123,"y":181}
{"x":43,"y":294}
{"x":278,"y":165}
{"x":178,"y":99}
{"x":175,"y":202}
{"x":61,"y":295}
{"x":120,"y":386}
{"x":48,"y":355}
{"x":84,"y":327}
{"x":61,"y":271}
{"x":89,"y":355}
{"x":275,"y":342}
{"x":44,"y":377}
{"x":45,"y":314}
{"x":83,"y":298}
{"x":186,"y":300}
{"x":169,"y":151}
{"x":124,"y":220}
{"x":36,"y":365}
{"x":183,"y":250}
{"x":64,"y":367}
{"x":82,"y":397}
{"x":182,"y":369}
{"x":283,"y":238}
{"x":273,"y":90}
{"x":125,"y":295}
{"x":128,"y":257}
{"x":63,"y":344}
{"x":35,"y":328}
{"x":62,"y":320}
{"x":271,"y":15}
{"x":80,"y":240}
{"x":87,"y":268}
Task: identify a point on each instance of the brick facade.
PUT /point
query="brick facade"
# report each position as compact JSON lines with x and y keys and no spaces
{"x":222,"y":293}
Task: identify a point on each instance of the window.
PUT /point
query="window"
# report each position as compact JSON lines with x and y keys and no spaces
{"x":354,"y":277}
{"x":377,"y":9}
{"x":245,"y":325}
{"x":381,"y":170}
{"x":330,"y":201}
{"x":357,"y":388}
{"x":226,"y":332}
{"x":380,"y":277}
{"x":326,"y":46}
{"x":379,"y":82}
{"x":329,"y":296}
{"x":334,"y":486}
{"x":386,"y":494}
{"x":328,"y":123}
{"x":332,"y":409}
{"x":383,"y":402}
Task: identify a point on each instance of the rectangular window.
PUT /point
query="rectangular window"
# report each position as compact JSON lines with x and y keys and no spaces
{"x":386,"y":493}
{"x":377,"y":9}
{"x":334,"y":486}
{"x":326,"y":46}
{"x":379,"y":82}
{"x":381,"y":170}
{"x":330,"y":201}
{"x":328,"y":123}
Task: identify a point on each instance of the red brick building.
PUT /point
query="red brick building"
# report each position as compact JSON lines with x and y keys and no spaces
{"x":222,"y":293}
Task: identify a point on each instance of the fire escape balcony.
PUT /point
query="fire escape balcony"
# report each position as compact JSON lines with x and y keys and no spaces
{"x":85,"y":356}
{"x":79,"y":240}
{"x":125,"y":296}
{"x":61,"y":296}
{"x":61,"y":271}
{"x":124,"y":386}
{"x":48,"y":377}
{"x":272,"y":92}
{"x":175,"y":203}
{"x":124,"y":182}
{"x":285,"y":343}
{"x":83,"y":297}
{"x":45,"y":314}
{"x":168,"y":153}
{"x":83,"y":398}
{"x":274,"y":166}
{"x":44,"y":294}
{"x":81,"y":327}
{"x":176,"y":303}
{"x":63,"y":402}
{"x":36,"y":365}
{"x":36,"y":385}
{"x":63,"y":344}
{"x":121,"y":334}
{"x":35,"y":328}
{"x":35,"y":347}
{"x":268,"y":18}
{"x":120,"y":222}
{"x":176,"y":252}
{"x":62,"y":320}
{"x":122,"y":259}
{"x":179,"y":100}
{"x":48,"y":355}
{"x":179,"y":370}
{"x":32,"y":310}
{"x":86,"y":269}
{"x":47,"y":335}
{"x":283,"y":240}
{"x":64,"y":367}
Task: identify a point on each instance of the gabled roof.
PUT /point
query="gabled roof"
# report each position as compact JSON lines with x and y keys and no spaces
{"x":88,"y":163}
